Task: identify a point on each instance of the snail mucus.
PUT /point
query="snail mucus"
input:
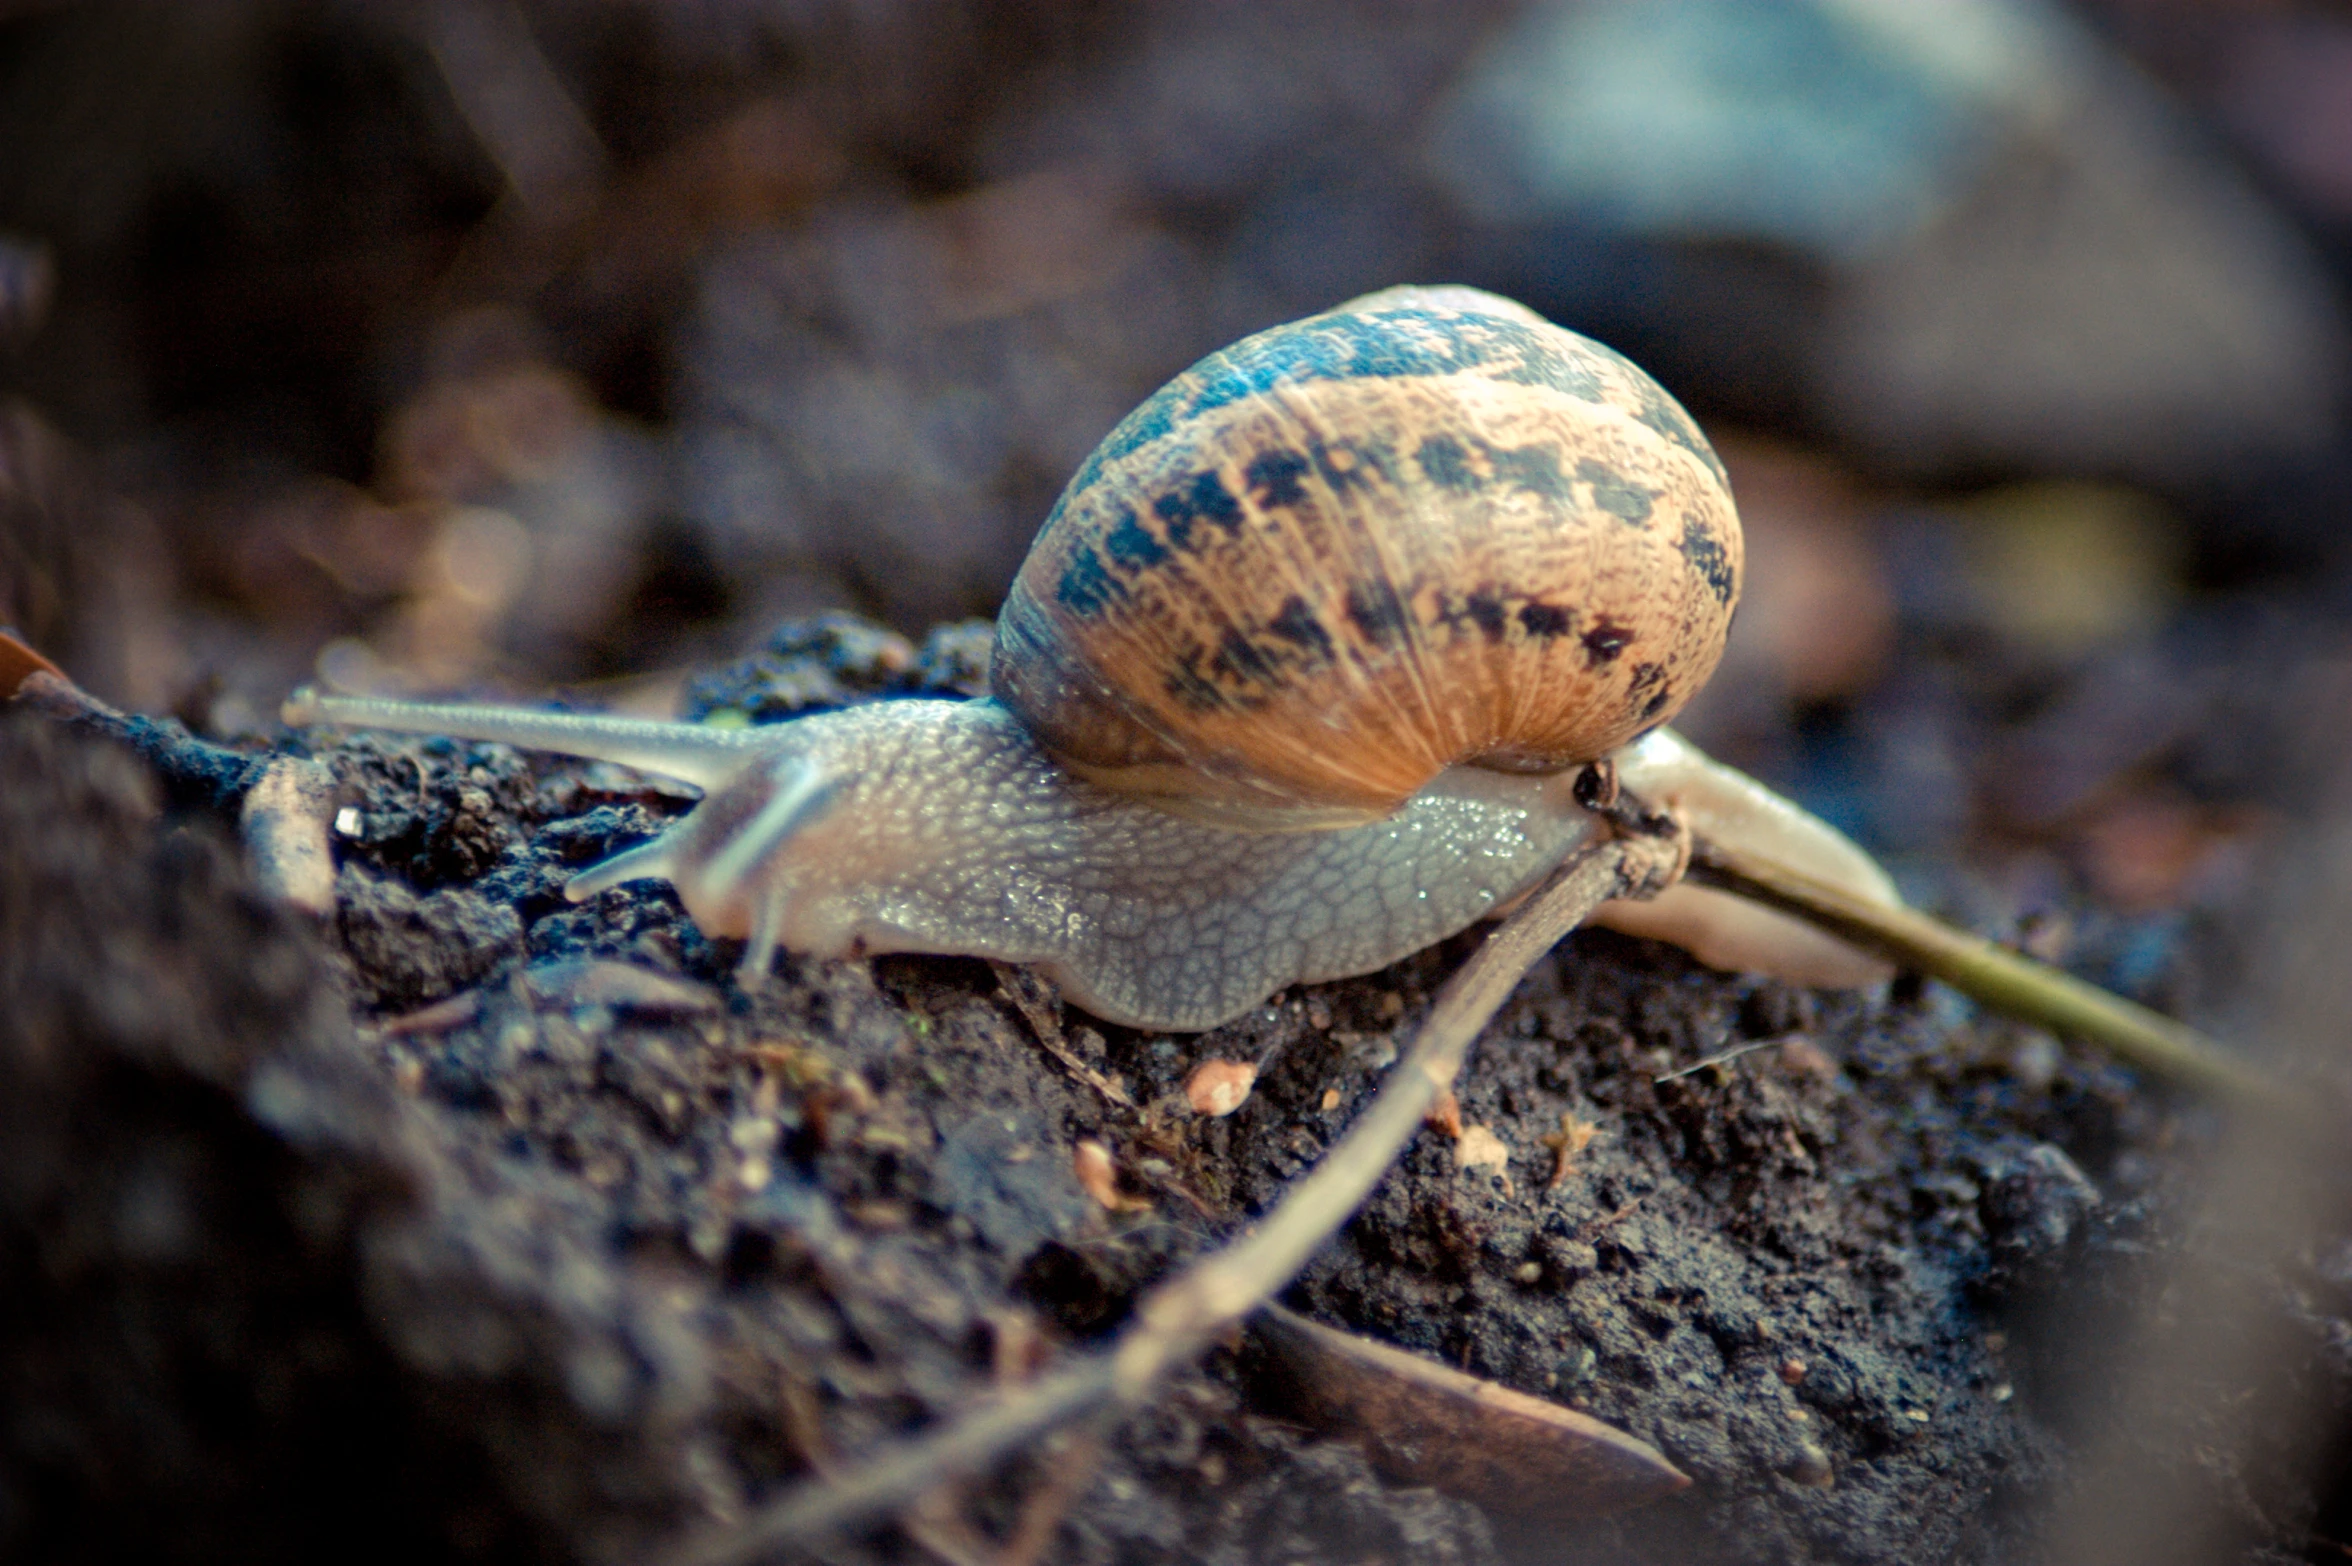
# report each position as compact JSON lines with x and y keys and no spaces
{"x":1297,"y":679}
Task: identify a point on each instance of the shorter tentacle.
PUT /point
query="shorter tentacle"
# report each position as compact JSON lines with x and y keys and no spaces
{"x":767,"y":933}
{"x":655,"y":858}
{"x":803,"y":793}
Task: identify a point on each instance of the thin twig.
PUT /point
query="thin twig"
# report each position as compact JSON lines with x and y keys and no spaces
{"x":1612,"y":1219}
{"x":896,"y":1475}
{"x":2005,"y":980}
{"x":1720,"y":1058}
{"x":1046,"y":1024}
{"x":1180,"y":1318}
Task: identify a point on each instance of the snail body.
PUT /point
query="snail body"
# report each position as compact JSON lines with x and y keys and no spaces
{"x":937,"y":826}
{"x":1246,"y":730}
{"x":933,"y":826}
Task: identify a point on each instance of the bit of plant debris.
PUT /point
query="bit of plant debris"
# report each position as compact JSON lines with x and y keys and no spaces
{"x":1425,"y":1424}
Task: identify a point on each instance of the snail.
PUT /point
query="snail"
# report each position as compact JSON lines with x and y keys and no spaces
{"x":1297,"y":679}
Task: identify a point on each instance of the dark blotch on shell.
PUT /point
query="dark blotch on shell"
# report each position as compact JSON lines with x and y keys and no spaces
{"x":1131,"y":545}
{"x":1445,"y":462}
{"x":1648,"y":691}
{"x":1535,"y":469}
{"x":1297,"y":625}
{"x":1485,"y":611}
{"x":1086,"y":589}
{"x":1616,"y":494}
{"x":1604,"y":642}
{"x":1273,"y":478}
{"x":1705,"y":553}
{"x":1189,"y":686}
{"x":1547,"y":620}
{"x":1374,"y":607}
{"x":1238,"y":659}
{"x":1203,"y":497}
{"x":1351,"y":464}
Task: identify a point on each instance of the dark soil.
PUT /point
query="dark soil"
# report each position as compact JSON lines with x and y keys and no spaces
{"x":482,"y":1224}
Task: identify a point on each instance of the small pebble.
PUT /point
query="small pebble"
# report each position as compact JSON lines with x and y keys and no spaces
{"x":1792,"y":1370}
{"x":754,"y":1135}
{"x":1810,"y":1468}
{"x":1219,"y":1087}
{"x":1804,"y":1058}
{"x":1091,"y":1162}
{"x":1480,"y":1148}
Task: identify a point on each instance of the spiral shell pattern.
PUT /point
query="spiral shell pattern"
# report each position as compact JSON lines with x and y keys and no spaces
{"x":1424,"y":529}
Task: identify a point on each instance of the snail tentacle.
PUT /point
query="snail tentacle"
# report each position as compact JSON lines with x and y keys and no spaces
{"x":651,"y":860}
{"x":691,"y":753}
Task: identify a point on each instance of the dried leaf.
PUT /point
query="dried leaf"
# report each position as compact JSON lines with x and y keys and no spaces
{"x":1040,"y":1005}
{"x":17,"y":661}
{"x":1429,"y":1424}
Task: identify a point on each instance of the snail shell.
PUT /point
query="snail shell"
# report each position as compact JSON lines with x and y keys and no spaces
{"x":1425,"y":529}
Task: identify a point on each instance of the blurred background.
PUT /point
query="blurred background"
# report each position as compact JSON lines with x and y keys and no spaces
{"x":501,"y":344}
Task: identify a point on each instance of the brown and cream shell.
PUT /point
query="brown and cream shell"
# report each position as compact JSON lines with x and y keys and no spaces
{"x":1427,"y":528}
